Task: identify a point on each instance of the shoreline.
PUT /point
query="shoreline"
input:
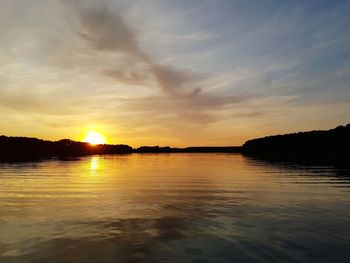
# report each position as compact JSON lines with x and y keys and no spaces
{"x":338,"y":160}
{"x":320,"y":147}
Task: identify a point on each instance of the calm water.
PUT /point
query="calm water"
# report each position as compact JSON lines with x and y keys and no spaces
{"x":173,"y":208}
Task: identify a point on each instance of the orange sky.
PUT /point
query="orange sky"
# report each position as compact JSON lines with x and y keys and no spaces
{"x":156,"y":73}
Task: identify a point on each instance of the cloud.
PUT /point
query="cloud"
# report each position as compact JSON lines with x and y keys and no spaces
{"x":182,"y":91}
{"x":173,"y":81}
{"x":155,"y":66}
{"x":127,"y":77}
{"x":107,"y":31}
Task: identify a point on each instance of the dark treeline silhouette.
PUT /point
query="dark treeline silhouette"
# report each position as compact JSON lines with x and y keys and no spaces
{"x":22,"y":148}
{"x":157,"y":149}
{"x":322,"y":146}
{"x":310,"y":148}
{"x":335,"y":140}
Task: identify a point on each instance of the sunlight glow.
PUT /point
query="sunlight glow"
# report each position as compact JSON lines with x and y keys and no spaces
{"x":94,"y":138}
{"x":94,"y":163}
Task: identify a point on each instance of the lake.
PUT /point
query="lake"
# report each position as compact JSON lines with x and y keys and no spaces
{"x":173,"y":208}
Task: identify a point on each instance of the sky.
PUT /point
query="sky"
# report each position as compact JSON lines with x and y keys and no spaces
{"x":173,"y":72}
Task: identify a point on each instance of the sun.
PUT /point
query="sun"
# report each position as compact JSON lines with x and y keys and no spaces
{"x":94,"y":138}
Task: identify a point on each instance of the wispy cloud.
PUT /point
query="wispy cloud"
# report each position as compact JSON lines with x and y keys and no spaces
{"x":229,"y":69}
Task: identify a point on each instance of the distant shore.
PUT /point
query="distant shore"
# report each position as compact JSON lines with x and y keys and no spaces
{"x":24,"y":148}
{"x":322,"y":146}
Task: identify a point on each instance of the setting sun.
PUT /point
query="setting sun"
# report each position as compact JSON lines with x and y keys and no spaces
{"x":94,"y":138}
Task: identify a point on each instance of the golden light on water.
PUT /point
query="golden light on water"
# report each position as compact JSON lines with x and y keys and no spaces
{"x":94,"y":163}
{"x":94,"y":138}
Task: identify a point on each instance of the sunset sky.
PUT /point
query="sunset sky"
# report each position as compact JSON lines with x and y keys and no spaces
{"x":173,"y":72}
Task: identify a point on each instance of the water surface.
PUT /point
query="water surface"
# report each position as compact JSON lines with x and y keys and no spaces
{"x":173,"y":208}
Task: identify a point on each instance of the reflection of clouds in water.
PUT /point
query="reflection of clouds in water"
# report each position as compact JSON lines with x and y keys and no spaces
{"x":173,"y":208}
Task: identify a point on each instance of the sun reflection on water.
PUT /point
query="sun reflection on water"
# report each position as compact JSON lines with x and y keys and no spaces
{"x":94,"y":163}
{"x":202,"y":204}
